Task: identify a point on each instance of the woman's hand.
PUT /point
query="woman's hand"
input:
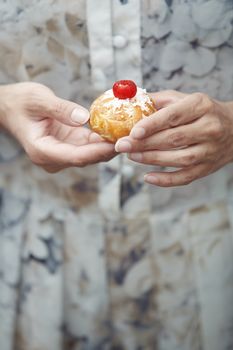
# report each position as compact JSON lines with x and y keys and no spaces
{"x":190,"y":132}
{"x":49,"y":128}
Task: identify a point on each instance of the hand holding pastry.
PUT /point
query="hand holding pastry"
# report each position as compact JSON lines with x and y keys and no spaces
{"x":49,"y":128}
{"x":193,"y":133}
{"x":114,"y":113}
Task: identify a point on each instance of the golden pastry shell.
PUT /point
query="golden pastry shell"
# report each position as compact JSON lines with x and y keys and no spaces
{"x":113,"y":122}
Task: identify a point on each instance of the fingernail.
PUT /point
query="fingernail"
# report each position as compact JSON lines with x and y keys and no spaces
{"x":123,"y":146}
{"x":150,"y":179}
{"x":80,"y":115}
{"x":138,"y":132}
{"x":137,"y":157}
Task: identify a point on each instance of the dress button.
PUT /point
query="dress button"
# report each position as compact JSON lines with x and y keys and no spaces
{"x":119,"y":41}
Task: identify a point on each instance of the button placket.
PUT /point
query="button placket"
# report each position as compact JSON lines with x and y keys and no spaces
{"x":126,"y":40}
{"x":127,"y":56}
{"x":100,"y":41}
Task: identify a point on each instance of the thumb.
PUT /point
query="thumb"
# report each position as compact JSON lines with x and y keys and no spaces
{"x":165,"y":98}
{"x":67,"y":112}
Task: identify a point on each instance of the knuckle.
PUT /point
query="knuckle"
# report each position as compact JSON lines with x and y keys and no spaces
{"x":37,"y":156}
{"x":188,"y":178}
{"x":215,"y":129}
{"x":204,"y":101}
{"x":176,"y":139}
{"x":189,"y":159}
{"x":37,"y":98}
{"x":77,"y":160}
{"x":173,"y":119}
{"x":168,"y":181}
{"x":199,"y":97}
{"x":79,"y":163}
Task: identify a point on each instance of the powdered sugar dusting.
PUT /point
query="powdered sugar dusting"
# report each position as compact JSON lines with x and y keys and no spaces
{"x":140,"y":99}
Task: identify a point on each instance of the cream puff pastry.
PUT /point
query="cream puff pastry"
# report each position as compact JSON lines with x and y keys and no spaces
{"x":115,"y":112}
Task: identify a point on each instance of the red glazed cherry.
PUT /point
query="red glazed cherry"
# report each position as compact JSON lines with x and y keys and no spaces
{"x":124,"y":89}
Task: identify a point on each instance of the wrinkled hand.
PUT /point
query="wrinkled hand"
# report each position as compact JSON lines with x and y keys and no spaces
{"x":190,"y":132}
{"x":49,"y":128}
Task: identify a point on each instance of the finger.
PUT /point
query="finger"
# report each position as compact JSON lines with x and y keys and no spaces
{"x":199,"y":131}
{"x":164,"y":98}
{"x":182,"y":136}
{"x":178,"y":178}
{"x":51,"y":151}
{"x":75,"y":135}
{"x":94,"y":137}
{"x":64,"y":111}
{"x":176,"y":158}
{"x":182,"y":112}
